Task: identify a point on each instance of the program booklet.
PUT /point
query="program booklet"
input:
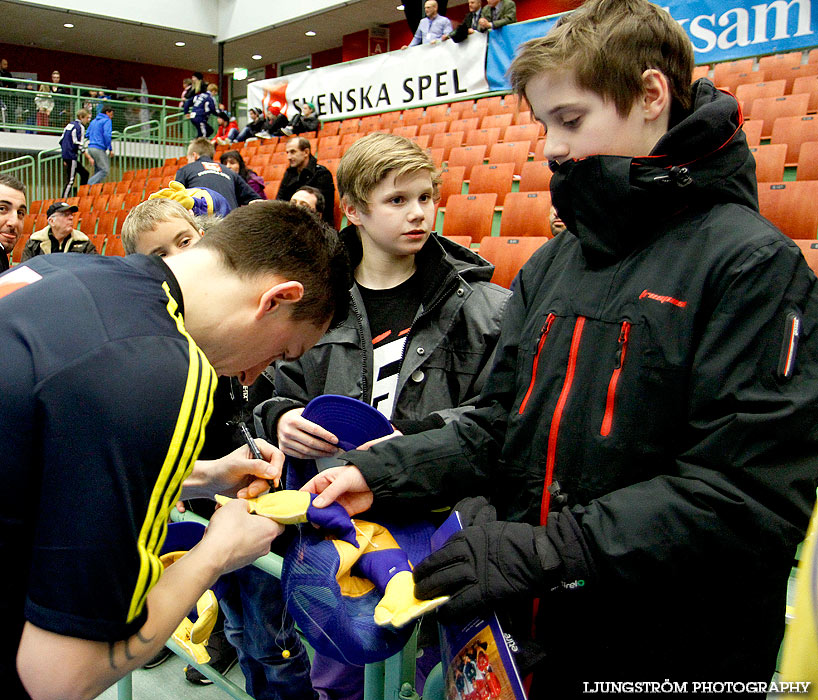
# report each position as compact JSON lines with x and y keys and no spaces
{"x":477,"y":663}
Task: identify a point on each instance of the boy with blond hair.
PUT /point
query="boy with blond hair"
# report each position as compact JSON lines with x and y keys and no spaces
{"x":159,"y":227}
{"x":647,"y":434}
{"x":421,"y":331}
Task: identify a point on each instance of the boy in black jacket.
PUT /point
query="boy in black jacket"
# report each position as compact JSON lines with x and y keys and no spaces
{"x":647,"y":433}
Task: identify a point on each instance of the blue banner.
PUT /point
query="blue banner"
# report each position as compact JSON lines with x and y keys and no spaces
{"x":720,"y":31}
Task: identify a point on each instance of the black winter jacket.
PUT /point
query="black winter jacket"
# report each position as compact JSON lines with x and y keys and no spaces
{"x":647,"y":366}
{"x":448,"y":353}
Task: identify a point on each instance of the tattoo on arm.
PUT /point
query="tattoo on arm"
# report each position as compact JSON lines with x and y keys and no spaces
{"x":125,"y":643}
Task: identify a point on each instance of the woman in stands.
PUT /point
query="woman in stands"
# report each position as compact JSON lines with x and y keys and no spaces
{"x":234,"y":161}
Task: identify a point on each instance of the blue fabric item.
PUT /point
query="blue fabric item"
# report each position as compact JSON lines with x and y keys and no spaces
{"x":257,"y":625}
{"x":343,"y":627}
{"x":335,"y":519}
{"x":207,"y":201}
{"x":352,"y":421}
{"x":99,"y":132}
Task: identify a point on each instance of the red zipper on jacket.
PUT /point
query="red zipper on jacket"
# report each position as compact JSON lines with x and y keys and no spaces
{"x":607,"y":420}
{"x":543,"y":335}
{"x":551,"y":457}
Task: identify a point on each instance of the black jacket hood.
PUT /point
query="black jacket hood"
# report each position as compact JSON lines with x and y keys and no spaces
{"x":703,"y":159}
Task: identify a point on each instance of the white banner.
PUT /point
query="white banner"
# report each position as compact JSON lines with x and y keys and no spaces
{"x":418,"y":76}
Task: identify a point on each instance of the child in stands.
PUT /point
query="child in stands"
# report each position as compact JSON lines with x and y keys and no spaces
{"x":647,"y":433}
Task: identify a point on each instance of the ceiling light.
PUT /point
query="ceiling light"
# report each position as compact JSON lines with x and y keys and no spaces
{"x":211,"y":70}
{"x":400,"y":8}
{"x":309,"y":33}
{"x":68,"y":25}
{"x":309,"y":66}
{"x":180,"y":43}
{"x":256,"y":56}
{"x":239,"y":73}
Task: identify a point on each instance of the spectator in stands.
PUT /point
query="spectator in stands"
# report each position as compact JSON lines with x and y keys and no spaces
{"x":12,"y":214}
{"x":228,"y":130}
{"x":72,"y":145}
{"x":159,"y":227}
{"x":303,"y":121}
{"x":276,"y":121}
{"x":469,"y":25}
{"x":61,"y":104}
{"x":648,"y":425}
{"x":254,"y":126}
{"x":305,"y":170}
{"x":197,"y":83}
{"x":82,"y":335}
{"x":496,"y":14}
{"x":234,"y":161}
{"x":100,"y":148}
{"x":309,"y":197}
{"x":557,"y":225}
{"x":6,"y":81}
{"x":432,"y":27}
{"x":201,"y":171}
{"x":59,"y":236}
{"x":199,"y":108}
{"x":44,"y":103}
{"x":415,"y":298}
{"x":187,"y":92}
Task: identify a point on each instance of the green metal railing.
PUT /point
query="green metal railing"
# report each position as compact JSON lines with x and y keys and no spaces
{"x":24,"y":168}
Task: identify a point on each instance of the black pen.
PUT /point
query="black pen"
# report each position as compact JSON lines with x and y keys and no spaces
{"x":251,"y":443}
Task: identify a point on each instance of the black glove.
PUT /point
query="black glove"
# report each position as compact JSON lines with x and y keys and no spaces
{"x":483,"y":565}
{"x":475,"y":511}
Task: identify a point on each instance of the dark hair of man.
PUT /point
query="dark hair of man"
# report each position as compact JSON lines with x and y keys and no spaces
{"x":244,"y":171}
{"x":202,"y":147}
{"x":278,"y":238}
{"x":315,"y":192}
{"x":12,"y":182}
{"x":108,"y":110}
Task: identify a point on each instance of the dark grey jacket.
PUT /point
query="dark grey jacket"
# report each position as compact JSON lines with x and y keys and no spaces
{"x":448,"y":354}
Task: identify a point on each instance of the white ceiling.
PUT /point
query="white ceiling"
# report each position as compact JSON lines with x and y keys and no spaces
{"x":35,"y":25}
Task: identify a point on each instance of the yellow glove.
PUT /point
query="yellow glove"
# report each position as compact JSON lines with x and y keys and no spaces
{"x":399,"y":606}
{"x":193,"y":636}
{"x":285,"y":507}
{"x":177,"y":192}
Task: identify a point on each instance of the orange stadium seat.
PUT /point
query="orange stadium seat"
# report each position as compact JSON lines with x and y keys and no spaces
{"x":807,"y":161}
{"x":523,"y":132}
{"x":101,"y":202}
{"x":412,"y":116}
{"x":465,"y":241}
{"x":526,"y":214}
{"x":515,"y":152}
{"x":329,"y":141}
{"x":124,"y":186}
{"x":464,"y":108}
{"x":490,"y":103}
{"x":743,"y":65}
{"x":436,"y":155}
{"x":808,"y":84}
{"x":324,"y":152}
{"x":752,"y":130}
{"x":129,"y":174}
{"x":771,"y":108}
{"x":437,"y":113}
{"x":793,"y":58}
{"x":349,"y":126}
{"x":468,"y":157}
{"x":433,"y":128}
{"x":748,"y":92}
{"x":113,"y":246}
{"x":464,"y":124}
{"x":153,"y":184}
{"x":131,"y":200}
{"x":390,"y":119}
{"x":535,"y":176}
{"x":732,"y":81}
{"x":276,"y":171}
{"x":485,"y":137}
{"x":508,"y":255}
{"x":791,"y":206}
{"x":794,"y":131}
{"x":789,"y":74}
{"x":407,"y":131}
{"x":469,"y":215}
{"x":330,"y":128}
{"x":492,"y":177}
{"x":809,"y":249}
{"x":770,"y":162}
{"x":346,"y":139}
{"x":17,"y":251}
{"x":523,"y":118}
{"x":331,"y":164}
{"x":447,"y":142}
{"x":271,"y":188}
{"x":700,"y":72}
{"x":497,"y":120}
{"x":451,"y":182}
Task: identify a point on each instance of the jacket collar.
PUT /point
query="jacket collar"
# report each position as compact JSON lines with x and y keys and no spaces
{"x":616,"y":204}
